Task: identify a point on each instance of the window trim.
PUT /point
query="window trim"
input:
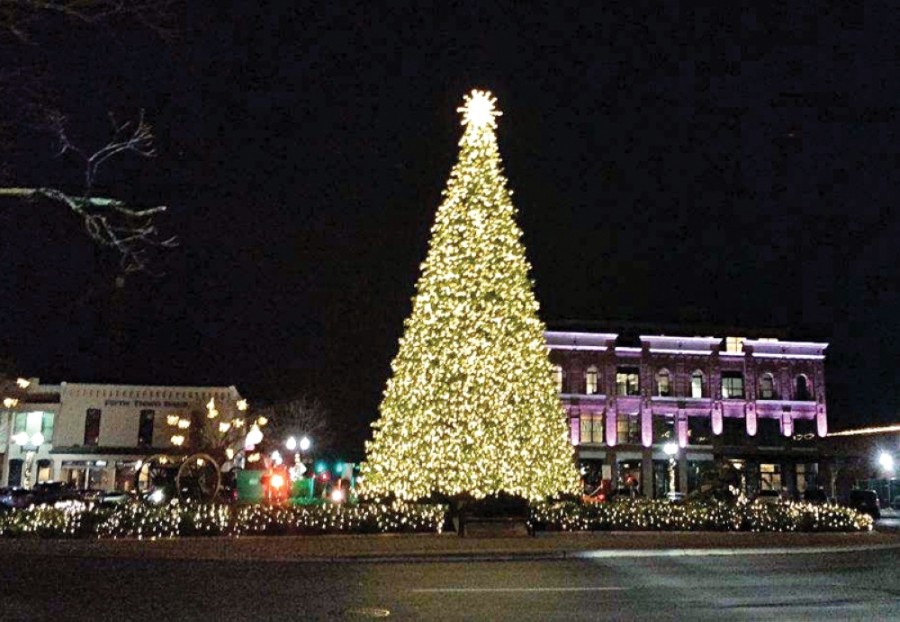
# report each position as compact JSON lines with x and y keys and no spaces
{"x":736,"y":376}
{"x":772,"y":393}
{"x":663,"y":372}
{"x":592,"y":373}
{"x":628,"y":372}
{"x":702,"y":376}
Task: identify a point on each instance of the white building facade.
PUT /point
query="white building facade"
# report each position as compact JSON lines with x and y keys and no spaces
{"x":93,"y":435}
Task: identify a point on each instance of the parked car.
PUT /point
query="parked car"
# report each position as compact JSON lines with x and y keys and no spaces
{"x":14,"y":498}
{"x":865,"y":501}
{"x":768,"y":497}
{"x":50,"y":493}
{"x":816,"y":496}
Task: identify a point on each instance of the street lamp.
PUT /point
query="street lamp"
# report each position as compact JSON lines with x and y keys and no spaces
{"x":305,"y":443}
{"x":671,"y":450}
{"x":30,"y":444}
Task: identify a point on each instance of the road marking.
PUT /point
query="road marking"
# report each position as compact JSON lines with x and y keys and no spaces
{"x":370,"y":612}
{"x":491,"y":590}
{"x":798,"y":550}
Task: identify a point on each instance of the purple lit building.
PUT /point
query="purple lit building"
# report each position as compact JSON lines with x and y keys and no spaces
{"x":660,"y":412}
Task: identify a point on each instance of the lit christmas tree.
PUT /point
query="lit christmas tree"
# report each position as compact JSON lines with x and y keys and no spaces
{"x":472,"y":408}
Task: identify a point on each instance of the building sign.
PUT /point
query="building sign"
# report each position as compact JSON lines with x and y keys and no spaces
{"x":146,"y":404}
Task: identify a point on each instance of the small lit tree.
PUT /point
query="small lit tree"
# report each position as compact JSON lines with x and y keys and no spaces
{"x":222,"y":437}
{"x":214,"y":442}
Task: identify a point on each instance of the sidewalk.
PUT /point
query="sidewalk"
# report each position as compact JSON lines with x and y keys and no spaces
{"x":450,"y":547}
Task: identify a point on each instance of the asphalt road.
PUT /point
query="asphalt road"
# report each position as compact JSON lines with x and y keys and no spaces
{"x":859,"y":585}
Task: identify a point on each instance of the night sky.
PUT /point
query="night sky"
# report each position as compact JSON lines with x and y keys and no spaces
{"x":688,"y":164}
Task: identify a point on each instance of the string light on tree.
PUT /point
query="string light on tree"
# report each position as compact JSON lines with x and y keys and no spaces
{"x":471,"y":407}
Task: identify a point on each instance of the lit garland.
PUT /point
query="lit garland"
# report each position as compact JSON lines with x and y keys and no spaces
{"x":471,"y":407}
{"x":663,"y":516}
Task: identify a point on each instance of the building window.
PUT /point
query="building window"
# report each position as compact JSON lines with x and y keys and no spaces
{"x":559,"y":377}
{"x":697,"y":384}
{"x":734,"y":431}
{"x":802,"y":394}
{"x":14,"y":478}
{"x":663,"y":428}
{"x":590,"y":380}
{"x":768,"y":431}
{"x":663,"y":383}
{"x":627,"y":382}
{"x":44,"y":470}
{"x":34,"y":422}
{"x":766,"y":387}
{"x":734,"y":345}
{"x":92,"y":426}
{"x":145,"y":428}
{"x":699,"y":431}
{"x":732,"y":385}
{"x":628,"y":429}
{"x":807,"y":476}
{"x":770,"y":477}
{"x":591,"y":429}
{"x":47,"y":427}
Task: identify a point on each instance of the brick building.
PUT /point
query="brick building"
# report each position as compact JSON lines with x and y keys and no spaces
{"x":655,"y":410}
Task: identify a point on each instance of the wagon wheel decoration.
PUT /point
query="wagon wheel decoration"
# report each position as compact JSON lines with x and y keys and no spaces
{"x":154,"y":472}
{"x":199,"y":479}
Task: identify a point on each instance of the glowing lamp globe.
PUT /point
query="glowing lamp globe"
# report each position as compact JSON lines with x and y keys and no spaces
{"x":305,"y":443}
{"x":291,"y":443}
{"x":886,"y":461}
{"x":254,"y":436}
{"x":670,"y":449}
{"x":37,"y":439}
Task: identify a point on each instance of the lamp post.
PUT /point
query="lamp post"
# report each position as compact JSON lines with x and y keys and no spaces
{"x":30,"y":445}
{"x":671,"y":450}
{"x":298,"y":448}
{"x":886,"y":462}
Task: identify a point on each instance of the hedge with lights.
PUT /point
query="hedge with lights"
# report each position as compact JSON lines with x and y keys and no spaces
{"x":169,"y":521}
{"x":471,"y":408}
{"x":646,"y":515}
{"x":151,"y":522}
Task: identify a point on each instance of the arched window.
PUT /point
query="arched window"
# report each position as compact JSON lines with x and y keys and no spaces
{"x":663,"y":383}
{"x":559,"y":377}
{"x":590,"y":380}
{"x":802,"y":393}
{"x":697,"y":384}
{"x":766,"y":387}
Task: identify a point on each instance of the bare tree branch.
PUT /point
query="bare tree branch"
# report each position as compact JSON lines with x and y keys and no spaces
{"x":109,"y":222}
{"x":18,"y":16}
{"x":300,"y":417}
